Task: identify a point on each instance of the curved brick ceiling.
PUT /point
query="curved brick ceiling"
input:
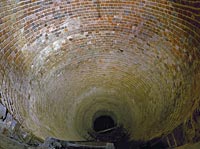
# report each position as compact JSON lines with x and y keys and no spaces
{"x":64,"y":61}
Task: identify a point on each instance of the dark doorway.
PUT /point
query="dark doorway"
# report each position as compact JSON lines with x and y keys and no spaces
{"x":103,"y":122}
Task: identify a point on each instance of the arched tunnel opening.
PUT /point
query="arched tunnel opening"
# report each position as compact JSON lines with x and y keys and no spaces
{"x":103,"y":123}
{"x":81,"y":70}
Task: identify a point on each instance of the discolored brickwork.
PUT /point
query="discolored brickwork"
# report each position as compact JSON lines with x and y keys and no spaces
{"x":62,"y":62}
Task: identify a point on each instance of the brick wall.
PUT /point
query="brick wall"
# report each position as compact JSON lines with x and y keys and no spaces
{"x":61,"y":55}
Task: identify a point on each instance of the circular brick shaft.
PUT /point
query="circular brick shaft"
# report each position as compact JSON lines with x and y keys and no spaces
{"x":63,"y":62}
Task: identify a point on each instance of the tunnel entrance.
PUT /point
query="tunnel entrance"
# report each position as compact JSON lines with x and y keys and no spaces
{"x":103,"y":122}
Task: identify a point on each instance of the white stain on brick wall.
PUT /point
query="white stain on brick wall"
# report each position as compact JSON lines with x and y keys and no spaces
{"x":71,"y":24}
